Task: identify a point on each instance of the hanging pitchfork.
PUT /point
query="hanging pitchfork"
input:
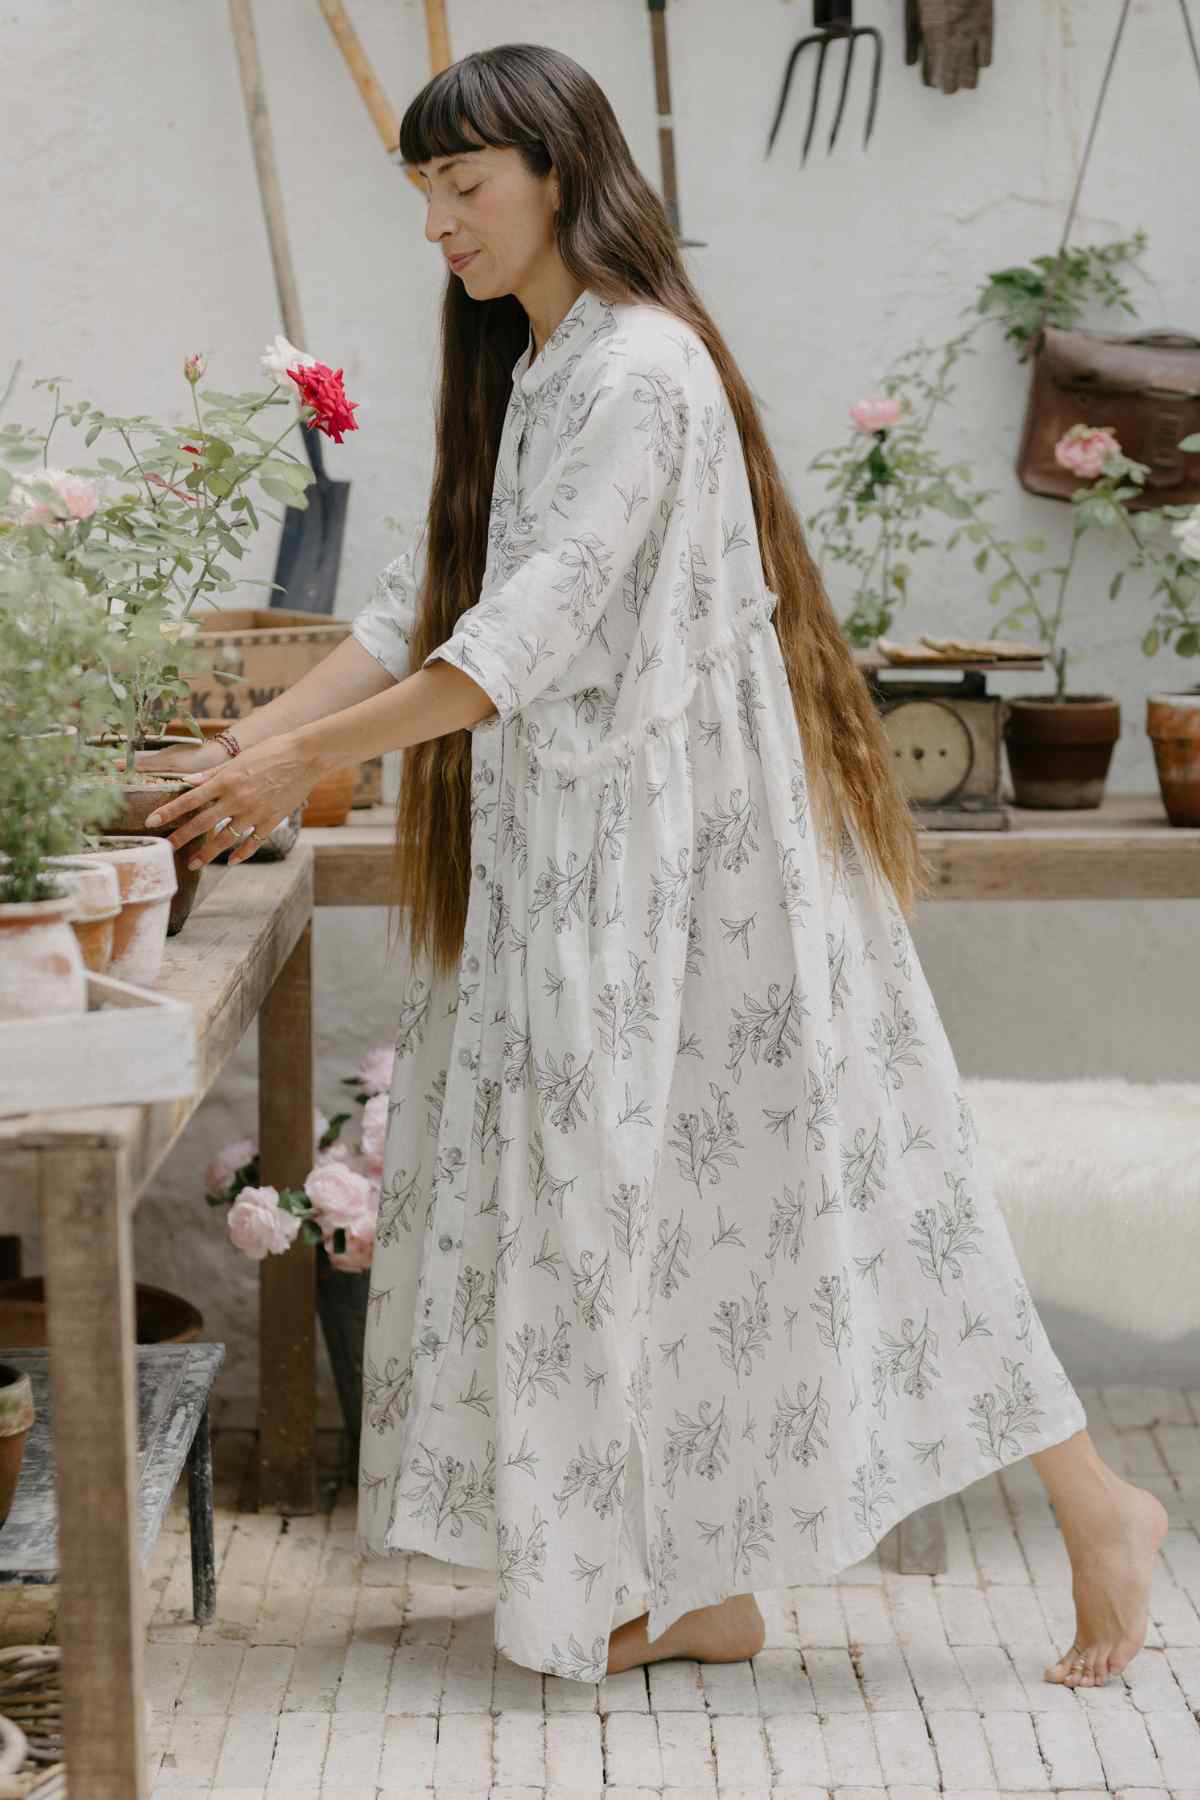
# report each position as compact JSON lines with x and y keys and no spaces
{"x":835,"y":19}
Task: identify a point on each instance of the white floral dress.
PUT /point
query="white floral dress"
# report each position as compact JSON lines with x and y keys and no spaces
{"x":689,"y":1276}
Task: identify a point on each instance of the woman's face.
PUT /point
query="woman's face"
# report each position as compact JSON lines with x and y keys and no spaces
{"x":485,"y":205}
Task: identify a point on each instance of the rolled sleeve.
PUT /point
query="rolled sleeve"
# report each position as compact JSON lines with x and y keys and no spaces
{"x":384,"y":626}
{"x":614,"y":464}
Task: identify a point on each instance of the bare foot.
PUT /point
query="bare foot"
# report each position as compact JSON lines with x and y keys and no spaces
{"x":1113,"y":1549}
{"x":730,"y":1631}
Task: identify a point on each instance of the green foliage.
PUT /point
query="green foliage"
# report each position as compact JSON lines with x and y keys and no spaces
{"x":54,"y":787}
{"x":1017,"y":295}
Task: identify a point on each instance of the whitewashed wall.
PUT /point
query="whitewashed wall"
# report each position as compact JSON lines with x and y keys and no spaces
{"x":134,"y":236}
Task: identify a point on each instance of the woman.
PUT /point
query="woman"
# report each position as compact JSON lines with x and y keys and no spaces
{"x":688,"y":1272}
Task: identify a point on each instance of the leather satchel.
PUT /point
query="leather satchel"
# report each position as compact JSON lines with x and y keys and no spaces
{"x":1144,"y":385}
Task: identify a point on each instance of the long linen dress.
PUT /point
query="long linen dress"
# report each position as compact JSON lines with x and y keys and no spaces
{"x":689,"y":1277}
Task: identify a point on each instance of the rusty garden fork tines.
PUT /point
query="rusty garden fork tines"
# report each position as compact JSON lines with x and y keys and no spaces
{"x":835,"y":20}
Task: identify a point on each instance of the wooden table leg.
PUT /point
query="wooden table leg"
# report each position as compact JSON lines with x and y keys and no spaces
{"x":287,"y":1345}
{"x":85,"y":1209}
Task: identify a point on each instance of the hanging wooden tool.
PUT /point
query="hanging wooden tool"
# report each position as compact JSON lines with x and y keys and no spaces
{"x":310,"y":550}
{"x":378,"y":105}
{"x":666,"y":130}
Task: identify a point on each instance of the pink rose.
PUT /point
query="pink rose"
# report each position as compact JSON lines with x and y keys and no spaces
{"x":375,"y":1069}
{"x":1085,"y":449}
{"x":340,"y":1196}
{"x":226,"y":1163}
{"x":258,"y":1224}
{"x":374,"y":1129}
{"x":877,"y":412}
{"x":360,"y":1245}
{"x":79,"y":496}
{"x":337,"y":1152}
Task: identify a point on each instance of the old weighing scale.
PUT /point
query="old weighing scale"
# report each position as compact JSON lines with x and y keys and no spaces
{"x":947,"y":735}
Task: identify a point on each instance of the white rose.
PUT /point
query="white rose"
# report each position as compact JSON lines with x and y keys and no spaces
{"x":280,"y":356}
{"x":1188,"y":533}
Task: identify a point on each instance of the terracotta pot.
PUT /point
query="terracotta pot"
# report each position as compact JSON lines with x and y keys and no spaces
{"x":16,"y":1417}
{"x":1059,"y":750}
{"x":161,"y":1317}
{"x":140,"y":797}
{"x":96,"y":909}
{"x":330,"y":800}
{"x":145,"y":870}
{"x":41,"y":965}
{"x":1173,"y":722}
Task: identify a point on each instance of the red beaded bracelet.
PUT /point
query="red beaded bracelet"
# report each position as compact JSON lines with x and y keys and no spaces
{"x":228,"y":742}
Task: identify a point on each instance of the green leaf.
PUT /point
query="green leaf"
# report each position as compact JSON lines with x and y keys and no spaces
{"x":1151,"y":642}
{"x":278,"y":490}
{"x":980,"y":560}
{"x":1190,"y":443}
{"x":1188,"y":643}
{"x":1114,"y":586}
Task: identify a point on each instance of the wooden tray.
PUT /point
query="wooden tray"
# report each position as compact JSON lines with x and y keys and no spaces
{"x":131,"y":1045}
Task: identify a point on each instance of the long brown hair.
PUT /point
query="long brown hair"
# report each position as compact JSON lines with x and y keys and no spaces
{"x":614,"y":236}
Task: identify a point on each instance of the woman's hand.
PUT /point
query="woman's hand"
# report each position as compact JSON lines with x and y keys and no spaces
{"x":186,"y":759}
{"x":258,"y":788}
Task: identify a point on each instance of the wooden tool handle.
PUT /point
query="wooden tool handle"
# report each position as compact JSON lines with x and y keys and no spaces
{"x":250,"y":70}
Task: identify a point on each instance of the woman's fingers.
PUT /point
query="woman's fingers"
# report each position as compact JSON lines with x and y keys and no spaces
{"x":201,"y":822}
{"x":226,"y":839}
{"x":205,"y":786}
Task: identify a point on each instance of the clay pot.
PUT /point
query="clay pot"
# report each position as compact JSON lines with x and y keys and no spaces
{"x":16,"y":1417}
{"x":1059,"y":750}
{"x":140,"y":797}
{"x":97,"y":906}
{"x":161,"y":1317}
{"x":330,"y":800}
{"x":41,"y":965}
{"x":1173,"y":722}
{"x":145,"y":870}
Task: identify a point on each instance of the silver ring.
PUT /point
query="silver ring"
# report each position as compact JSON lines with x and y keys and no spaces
{"x":250,"y":831}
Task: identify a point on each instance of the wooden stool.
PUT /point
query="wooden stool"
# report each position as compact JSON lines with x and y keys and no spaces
{"x":174,"y":1384}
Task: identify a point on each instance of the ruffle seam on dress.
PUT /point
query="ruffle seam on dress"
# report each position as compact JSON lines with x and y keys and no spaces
{"x":723,"y":648}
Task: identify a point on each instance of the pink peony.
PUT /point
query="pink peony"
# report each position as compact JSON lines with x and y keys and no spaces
{"x":375,"y":1069}
{"x":79,"y":496}
{"x":337,"y":1152}
{"x":877,"y":412}
{"x":258,"y":1224}
{"x":360,"y":1245}
{"x":1085,"y":449}
{"x":226,"y":1163}
{"x":374,"y":1129}
{"x":340,"y":1196}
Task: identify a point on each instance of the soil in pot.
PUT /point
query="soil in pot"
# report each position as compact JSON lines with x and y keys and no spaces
{"x":16,"y":1417}
{"x":97,"y":907}
{"x":1173,"y":722}
{"x":41,"y":965}
{"x":1059,"y":749}
{"x":145,"y":868}
{"x":161,"y":1317}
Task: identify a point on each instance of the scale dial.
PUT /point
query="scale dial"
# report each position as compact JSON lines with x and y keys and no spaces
{"x":932,"y":749}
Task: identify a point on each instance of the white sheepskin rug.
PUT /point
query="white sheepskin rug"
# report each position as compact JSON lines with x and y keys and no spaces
{"x":1099,"y":1184}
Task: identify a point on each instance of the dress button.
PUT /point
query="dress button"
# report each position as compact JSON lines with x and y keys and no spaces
{"x":464,"y":1057}
{"x":473,"y":964}
{"x":480,"y":871}
{"x":445,"y":1242}
{"x":429,"y":1338}
{"x":489,"y":775}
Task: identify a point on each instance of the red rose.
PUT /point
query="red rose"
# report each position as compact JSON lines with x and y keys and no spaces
{"x":321,"y":388}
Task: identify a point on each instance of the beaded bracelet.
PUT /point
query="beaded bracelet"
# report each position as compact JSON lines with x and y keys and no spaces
{"x":228,"y":742}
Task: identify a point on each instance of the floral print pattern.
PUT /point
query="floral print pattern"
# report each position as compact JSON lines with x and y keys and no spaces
{"x":689,"y":1276}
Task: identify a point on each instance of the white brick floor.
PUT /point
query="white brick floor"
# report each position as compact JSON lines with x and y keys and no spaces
{"x":321,"y":1677}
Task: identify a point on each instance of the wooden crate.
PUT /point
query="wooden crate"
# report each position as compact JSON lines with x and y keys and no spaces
{"x":130,"y":1046}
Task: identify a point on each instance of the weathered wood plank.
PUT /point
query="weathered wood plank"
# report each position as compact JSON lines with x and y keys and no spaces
{"x":287,"y":1345}
{"x":173,"y":1385}
{"x":1122,"y":850}
{"x":89,"y":1289}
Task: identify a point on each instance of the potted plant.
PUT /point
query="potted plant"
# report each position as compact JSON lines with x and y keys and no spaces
{"x":337,"y":1210}
{"x":151,"y":532}
{"x":1173,"y":717}
{"x":16,"y":1417}
{"x":53,"y":785}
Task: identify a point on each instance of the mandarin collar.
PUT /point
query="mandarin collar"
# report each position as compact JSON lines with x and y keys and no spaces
{"x":529,"y":371}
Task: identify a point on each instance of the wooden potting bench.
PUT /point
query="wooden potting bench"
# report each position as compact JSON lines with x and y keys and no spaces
{"x":244,"y":956}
